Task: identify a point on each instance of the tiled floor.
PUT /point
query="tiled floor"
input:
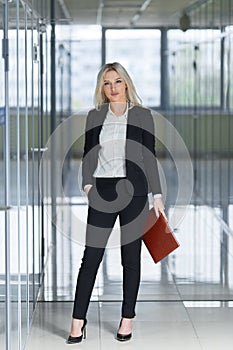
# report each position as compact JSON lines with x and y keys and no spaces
{"x":158,"y":325}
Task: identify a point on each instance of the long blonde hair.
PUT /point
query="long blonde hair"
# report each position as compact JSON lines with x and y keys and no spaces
{"x":131,"y":94}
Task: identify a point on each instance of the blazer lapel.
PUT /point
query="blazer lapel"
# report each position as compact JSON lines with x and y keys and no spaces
{"x":132,"y":122}
{"x":98,"y":123}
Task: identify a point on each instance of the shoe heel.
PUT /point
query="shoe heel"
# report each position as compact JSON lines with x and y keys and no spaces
{"x":84,"y":329}
{"x":84,"y":333}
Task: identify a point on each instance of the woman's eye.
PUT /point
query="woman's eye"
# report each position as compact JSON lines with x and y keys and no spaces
{"x":119,"y":81}
{"x":106,"y":83}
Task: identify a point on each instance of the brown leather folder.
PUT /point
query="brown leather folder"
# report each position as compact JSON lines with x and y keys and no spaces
{"x":158,"y":237}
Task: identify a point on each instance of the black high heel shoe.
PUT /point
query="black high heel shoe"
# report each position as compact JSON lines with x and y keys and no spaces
{"x":123,"y":337}
{"x":75,"y":340}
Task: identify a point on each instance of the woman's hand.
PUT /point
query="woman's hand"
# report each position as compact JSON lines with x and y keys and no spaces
{"x":159,"y":207}
{"x":87,"y":189}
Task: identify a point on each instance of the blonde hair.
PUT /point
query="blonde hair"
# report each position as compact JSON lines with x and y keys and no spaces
{"x":131,"y":94}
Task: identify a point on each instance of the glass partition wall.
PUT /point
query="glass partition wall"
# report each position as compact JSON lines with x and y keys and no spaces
{"x":23,"y":129}
{"x":200,"y":107}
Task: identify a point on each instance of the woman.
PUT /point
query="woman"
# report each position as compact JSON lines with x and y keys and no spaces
{"x":119,"y":169}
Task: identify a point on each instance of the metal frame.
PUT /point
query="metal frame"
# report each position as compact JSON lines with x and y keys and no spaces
{"x":53,"y":151}
{"x":18,"y":184}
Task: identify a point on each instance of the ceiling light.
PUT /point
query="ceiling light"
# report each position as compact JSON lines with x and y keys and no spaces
{"x":185,"y":22}
{"x":138,"y":14}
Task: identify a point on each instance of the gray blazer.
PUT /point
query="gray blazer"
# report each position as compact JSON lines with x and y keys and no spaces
{"x":141,"y":162}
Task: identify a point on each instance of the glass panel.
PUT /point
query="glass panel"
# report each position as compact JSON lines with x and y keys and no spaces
{"x":19,"y":173}
{"x":124,"y":45}
{"x":24,"y":218}
{"x":194,"y":63}
{"x":201,"y":110}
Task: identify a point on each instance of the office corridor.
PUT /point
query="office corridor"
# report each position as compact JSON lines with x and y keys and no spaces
{"x":179,"y":54}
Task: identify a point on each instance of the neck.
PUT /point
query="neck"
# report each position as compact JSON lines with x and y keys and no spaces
{"x":118,"y":108}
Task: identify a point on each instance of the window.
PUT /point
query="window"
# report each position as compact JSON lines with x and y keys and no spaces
{"x":194,"y":67}
{"x":138,"y":50}
{"x":85,"y":64}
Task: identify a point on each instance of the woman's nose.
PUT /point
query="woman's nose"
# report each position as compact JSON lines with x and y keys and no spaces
{"x":113,"y":86}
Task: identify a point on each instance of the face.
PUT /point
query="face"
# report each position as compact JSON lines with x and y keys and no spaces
{"x":114,"y":87}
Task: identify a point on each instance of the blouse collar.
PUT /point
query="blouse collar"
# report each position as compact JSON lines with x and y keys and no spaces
{"x":125,"y":114}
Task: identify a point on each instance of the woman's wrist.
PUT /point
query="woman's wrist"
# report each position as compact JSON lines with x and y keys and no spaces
{"x":157,"y":195}
{"x":87,"y":188}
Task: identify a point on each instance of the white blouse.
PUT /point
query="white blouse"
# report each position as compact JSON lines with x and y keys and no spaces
{"x":111,"y":158}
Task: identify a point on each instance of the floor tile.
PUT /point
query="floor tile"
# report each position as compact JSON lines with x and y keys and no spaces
{"x":156,"y":323}
{"x":51,"y":326}
{"x":147,"y":344}
{"x":216,"y":343}
{"x":213,"y":326}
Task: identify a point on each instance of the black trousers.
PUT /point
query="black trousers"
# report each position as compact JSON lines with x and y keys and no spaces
{"x":108,"y":198}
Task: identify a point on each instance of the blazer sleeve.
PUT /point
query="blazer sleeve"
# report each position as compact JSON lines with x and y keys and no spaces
{"x":86,"y":158}
{"x":149,"y":154}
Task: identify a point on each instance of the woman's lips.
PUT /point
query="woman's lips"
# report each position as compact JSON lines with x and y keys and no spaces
{"x":114,"y":94}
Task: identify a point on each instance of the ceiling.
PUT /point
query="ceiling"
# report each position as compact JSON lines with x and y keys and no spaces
{"x":129,"y":13}
{"x":126,"y":12}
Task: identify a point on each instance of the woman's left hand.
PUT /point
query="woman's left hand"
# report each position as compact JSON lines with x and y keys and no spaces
{"x":159,"y":207}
